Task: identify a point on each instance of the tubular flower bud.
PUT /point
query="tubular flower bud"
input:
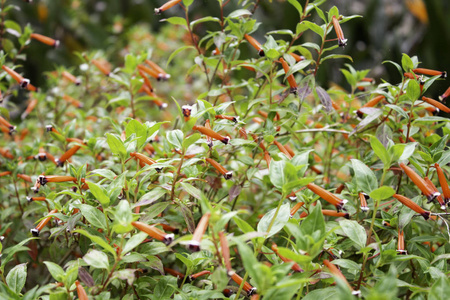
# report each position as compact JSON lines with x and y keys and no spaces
{"x":75,"y":140}
{"x":30,"y":199}
{"x":8,"y":125}
{"x":294,"y":267}
{"x":44,"y":179}
{"x":162,"y":75}
{"x":340,"y":188}
{"x":80,"y":291}
{"x":71,"y":78}
{"x":297,"y":57}
{"x":436,"y":104}
{"x":199,"y":274}
{"x":149,"y":71}
{"x":173,"y":272}
{"x":166,"y":6}
{"x":367,"y":79}
{"x":225,"y":173}
{"x":401,"y":243}
{"x":146,"y":80}
{"x":144,"y":159}
{"x":283,"y":149}
{"x":434,"y":188}
{"x":169,"y":228}
{"x":225,"y":251}
{"x":363,"y":197}
{"x":413,"y":205}
{"x":429,"y":72}
{"x":336,"y":272}
{"x":255,"y":44}
{"x":194,"y":244}
{"x":339,"y":33}
{"x":23,"y":82}
{"x":31,"y":105}
{"x":371,"y":103}
{"x":332,"y":213}
{"x":445,"y":94}
{"x":186,"y":109}
{"x":443,"y":182}
{"x":35,"y":231}
{"x":327,"y":196}
{"x":209,"y":141}
{"x":290,"y":78}
{"x":411,"y":76}
{"x":243,"y":133}
{"x":5,"y":173}
{"x":101,"y":66}
{"x":420,"y":183}
{"x":229,"y":118}
{"x":73,"y":101}
{"x":267,"y":158}
{"x":45,"y":39}
{"x":24,"y":177}
{"x":154,"y":232}
{"x":67,"y":155}
{"x":296,"y":208}
{"x":212,"y":134}
{"x":50,"y":128}
{"x":247,"y":286}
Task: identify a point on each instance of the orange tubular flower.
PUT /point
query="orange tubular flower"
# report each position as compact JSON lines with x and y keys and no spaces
{"x":173,"y":272}
{"x":225,"y":173}
{"x":371,"y":103}
{"x":339,"y":33}
{"x":401,"y":243}
{"x":411,"y":76}
{"x":255,"y":44}
{"x":434,"y":188}
{"x":73,"y":101}
{"x":24,"y":177}
{"x":363,"y":197}
{"x":80,"y":291}
{"x":68,"y":154}
{"x":5,"y":173}
{"x":247,"y":286}
{"x":209,"y":141}
{"x":31,"y":105}
{"x":35,"y":231}
{"x":414,"y":206}
{"x":149,"y":71}
{"x":166,"y":6}
{"x":71,"y":78}
{"x":229,"y":118}
{"x":332,"y":213}
{"x":289,"y":149}
{"x":296,"y":208}
{"x":186,"y":109}
{"x":6,"y":153}
{"x":75,"y":140}
{"x":297,"y":57}
{"x":445,"y":94}
{"x":336,"y":272}
{"x":327,"y":196}
{"x":144,"y":159}
{"x":429,"y":72}
{"x":283,"y":149}
{"x":225,"y":251}
{"x":339,"y":189}
{"x":367,"y":79}
{"x":101,"y":66}
{"x":436,"y":104}
{"x":290,"y":78}
{"x":154,"y":232}
{"x":212,"y":134}
{"x":45,"y":40}
{"x":50,"y":128}
{"x":267,"y":158}
{"x":197,"y":275}
{"x":294,"y":267}
{"x":215,"y":51}
{"x":8,"y":125}
{"x":23,"y":82}
{"x":243,"y":133}
{"x":146,"y":80}
{"x":44,"y":179}
{"x":420,"y":183}
{"x":443,"y":182}
{"x":194,"y":244}
{"x":162,"y":75}
{"x":29,"y":199}
{"x":169,"y":228}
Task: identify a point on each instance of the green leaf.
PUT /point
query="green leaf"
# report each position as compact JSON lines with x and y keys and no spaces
{"x":440,"y":289}
{"x":205,"y":19}
{"x":335,"y":56}
{"x":123,"y":217}
{"x":249,"y":260}
{"x":407,"y":63}
{"x":175,"y":137}
{"x":297,"y":6}
{"x":191,"y":140}
{"x":413,"y":90}
{"x":96,"y":259}
{"x":187,"y":3}
{"x":93,"y":216}
{"x":99,"y":194}
{"x":365,"y":178}
{"x":116,"y":145}
{"x":239,"y":13}
{"x":380,"y":151}
{"x":276,"y":173}
{"x":55,"y":270}
{"x":176,"y":21}
{"x":333,"y":12}
{"x":174,"y":53}
{"x":98,"y":240}
{"x":314,"y":27}
{"x":133,"y":242}
{"x":314,"y":222}
{"x":355,"y":232}
{"x":17,"y":277}
{"x":327,"y":293}
{"x":139,"y":130}
{"x":382,"y":193}
{"x":278,"y":224}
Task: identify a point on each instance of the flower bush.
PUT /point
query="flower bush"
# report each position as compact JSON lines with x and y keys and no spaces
{"x":211,"y":164}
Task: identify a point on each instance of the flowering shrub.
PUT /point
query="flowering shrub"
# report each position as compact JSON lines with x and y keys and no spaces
{"x":213,"y":164}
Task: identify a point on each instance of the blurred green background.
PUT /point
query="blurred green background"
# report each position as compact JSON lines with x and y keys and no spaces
{"x":387,"y":29}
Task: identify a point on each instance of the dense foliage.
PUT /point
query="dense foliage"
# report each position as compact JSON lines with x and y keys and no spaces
{"x":208,"y":164}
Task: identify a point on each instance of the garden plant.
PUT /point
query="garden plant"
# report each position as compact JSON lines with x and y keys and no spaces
{"x":208,"y":161}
